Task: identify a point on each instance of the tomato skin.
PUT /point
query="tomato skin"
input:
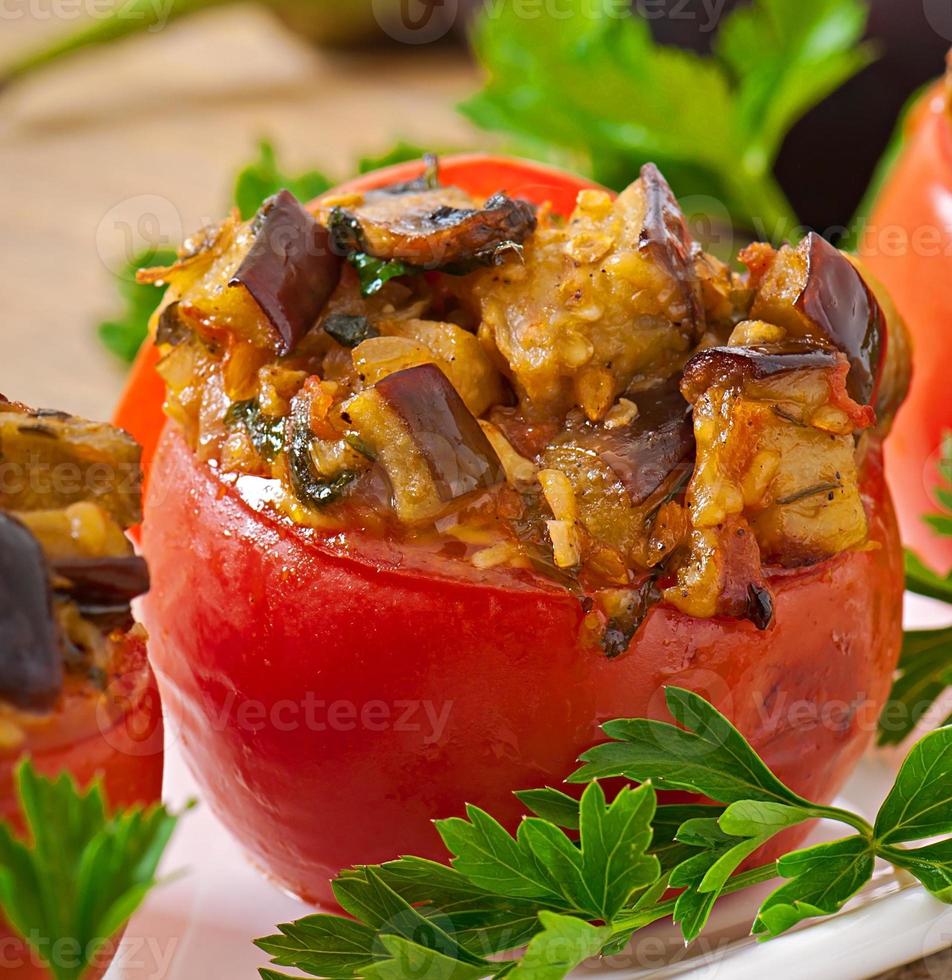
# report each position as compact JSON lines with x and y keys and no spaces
{"x":916,"y":203}
{"x":123,"y":746}
{"x":252,"y":620}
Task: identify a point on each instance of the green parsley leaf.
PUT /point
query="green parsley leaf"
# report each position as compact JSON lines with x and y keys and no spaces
{"x":749,"y":818}
{"x":563,"y":944}
{"x":924,"y":673}
{"x":610,"y":863}
{"x":266,"y":433}
{"x":400,"y":152}
{"x":552,"y":805}
{"x":263,"y":177}
{"x":920,"y":802}
{"x":824,"y":878}
{"x":375,"y":273}
{"x":124,"y":336}
{"x":81,"y":873}
{"x":707,"y":756}
{"x":931,"y":864}
{"x":923,"y":581}
{"x":409,"y":959}
{"x":589,"y":86}
{"x":566,"y":900}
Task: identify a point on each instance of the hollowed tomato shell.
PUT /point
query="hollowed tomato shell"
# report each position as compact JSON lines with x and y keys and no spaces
{"x":335,"y":694}
{"x":119,"y":739}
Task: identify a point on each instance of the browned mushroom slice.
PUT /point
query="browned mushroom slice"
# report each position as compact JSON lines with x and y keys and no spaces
{"x":31,"y":663}
{"x":665,"y":236}
{"x":291,"y":269}
{"x":815,"y":292}
{"x":51,"y":459}
{"x":431,"y":228}
{"x":432,"y":448}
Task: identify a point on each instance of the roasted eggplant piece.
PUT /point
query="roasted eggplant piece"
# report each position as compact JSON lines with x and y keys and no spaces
{"x":816,"y":293}
{"x":291,"y":269}
{"x":432,"y":448}
{"x":110,"y":580}
{"x":432,"y":228}
{"x":729,"y":367}
{"x":349,"y":331}
{"x":51,"y":459}
{"x":31,"y":659}
{"x":644,"y":453}
{"x":664,"y":234}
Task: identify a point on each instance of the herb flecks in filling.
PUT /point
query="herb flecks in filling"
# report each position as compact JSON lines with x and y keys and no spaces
{"x":591,"y":398}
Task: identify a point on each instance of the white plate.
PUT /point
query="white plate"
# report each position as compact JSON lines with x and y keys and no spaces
{"x":202,"y":923}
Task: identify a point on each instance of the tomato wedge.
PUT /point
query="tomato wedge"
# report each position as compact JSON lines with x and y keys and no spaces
{"x":335,"y":694}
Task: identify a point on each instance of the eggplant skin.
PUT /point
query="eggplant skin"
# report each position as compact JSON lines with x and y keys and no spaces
{"x":731,"y":366}
{"x":457,"y":452}
{"x":291,"y":269}
{"x":644,"y":453}
{"x":431,"y":229}
{"x":837,"y":299}
{"x":31,"y":659}
{"x":665,"y":236}
{"x":106,"y":581}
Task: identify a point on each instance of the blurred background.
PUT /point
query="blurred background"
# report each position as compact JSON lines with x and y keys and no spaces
{"x":132,"y":144}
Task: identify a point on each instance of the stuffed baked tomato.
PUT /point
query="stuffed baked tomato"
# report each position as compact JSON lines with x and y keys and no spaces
{"x":908,"y":245}
{"x":464,"y":461}
{"x":76,"y":692}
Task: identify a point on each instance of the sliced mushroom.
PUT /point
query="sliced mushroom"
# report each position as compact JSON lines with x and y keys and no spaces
{"x":815,"y":292}
{"x":291,"y":269}
{"x":665,"y":236}
{"x":51,"y":459}
{"x":31,"y":661}
{"x":432,"y":448}
{"x":431,"y":228}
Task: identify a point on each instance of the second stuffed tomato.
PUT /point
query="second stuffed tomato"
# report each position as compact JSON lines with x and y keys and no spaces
{"x":464,"y":461}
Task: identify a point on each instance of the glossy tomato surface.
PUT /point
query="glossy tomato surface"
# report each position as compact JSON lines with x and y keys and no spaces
{"x":908,"y":246}
{"x":335,"y":694}
{"x":117,"y":738}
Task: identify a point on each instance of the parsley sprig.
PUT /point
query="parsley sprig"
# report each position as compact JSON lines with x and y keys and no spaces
{"x":589,"y":82}
{"x":79,"y":873}
{"x":580,"y":877}
{"x":925,"y":665}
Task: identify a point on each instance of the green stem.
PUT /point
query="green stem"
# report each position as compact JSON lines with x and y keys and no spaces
{"x":128,"y":17}
{"x":853,"y":820}
{"x":638,"y":920}
{"x":766,"y":208}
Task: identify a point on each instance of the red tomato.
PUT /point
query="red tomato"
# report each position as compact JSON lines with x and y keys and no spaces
{"x":334,"y":697}
{"x":118,"y":738}
{"x":908,"y":245}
